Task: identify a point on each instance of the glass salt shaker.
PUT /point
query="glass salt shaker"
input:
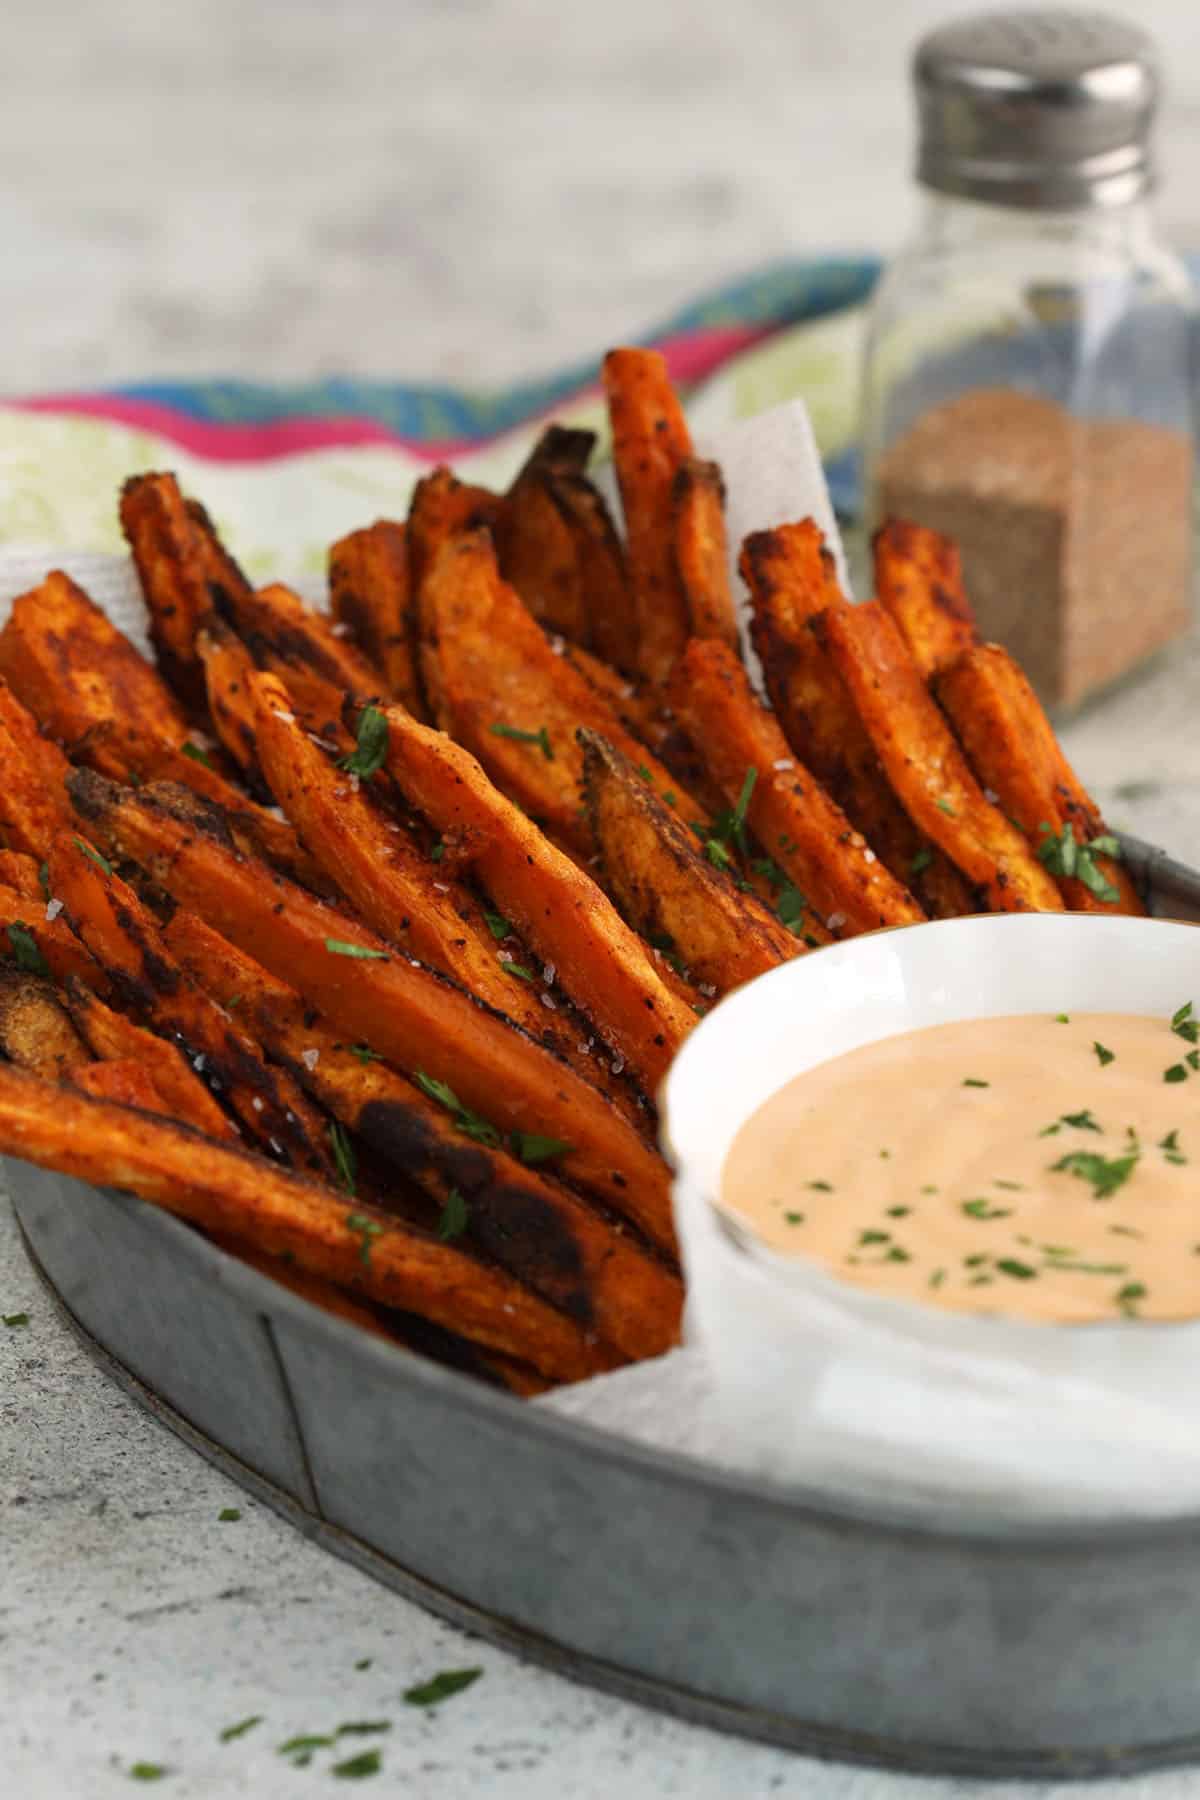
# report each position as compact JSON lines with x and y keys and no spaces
{"x":1028,"y":386}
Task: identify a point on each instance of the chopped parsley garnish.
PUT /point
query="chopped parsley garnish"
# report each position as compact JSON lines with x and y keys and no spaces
{"x":498,"y":925}
{"x":896,"y":1254}
{"x":944,"y":805}
{"x":1064,"y":855}
{"x":1103,"y":1055}
{"x":365,"y":1054}
{"x":1170,"y":1148}
{"x":873,"y":1237}
{"x":790,"y":907}
{"x":983,"y":1209}
{"x":371,"y":740}
{"x":303,"y":1746}
{"x":516,"y":969}
{"x":148,"y":1771}
{"x":540,"y":737}
{"x":14,"y":1321}
{"x":1184,"y":1025}
{"x":363,"y":1727}
{"x":441,"y":1687}
{"x":532,"y":1148}
{"x":1129,"y":1295}
{"x":974,"y":1081}
{"x":364,"y":1662}
{"x":1015,"y":1187}
{"x":468,"y":1122}
{"x":921,"y":861}
{"x":929,"y":1189}
{"x":937,"y":1278}
{"x":367,"y":1762}
{"x":240,"y":1729}
{"x":438,"y":851}
{"x":453,"y":1221}
{"x":1106,"y":1174}
{"x":196,"y":754}
{"x":794,"y":1218}
{"x":729,"y":827}
{"x":645,"y":774}
{"x":337,"y":947}
{"x":898,"y":1212}
{"x":822,"y":1187}
{"x":366,"y":1229}
{"x":885,"y":1154}
{"x":344,"y":1160}
{"x":1062,"y":1018}
{"x":1008,"y":1265}
{"x":26,"y":954}
{"x":1175,"y":1073}
{"x":1083,"y":1268}
{"x":94,"y":856}
{"x":1082,"y":1121}
{"x":229,"y":1515}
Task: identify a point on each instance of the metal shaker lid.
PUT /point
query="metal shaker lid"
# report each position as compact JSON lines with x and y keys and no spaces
{"x":1037,"y":109}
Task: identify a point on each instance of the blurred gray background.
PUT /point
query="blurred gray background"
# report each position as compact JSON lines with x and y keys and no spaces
{"x":449,"y":189}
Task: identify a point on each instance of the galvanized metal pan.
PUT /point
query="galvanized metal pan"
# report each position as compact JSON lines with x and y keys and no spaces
{"x":827,"y":1627}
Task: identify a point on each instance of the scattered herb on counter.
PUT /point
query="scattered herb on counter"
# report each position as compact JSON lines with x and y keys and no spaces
{"x":974,"y":1081}
{"x":441,"y":1687}
{"x":468,"y":1122}
{"x":1106,"y":1174}
{"x":533,"y":1149}
{"x":344,"y":1160}
{"x":240,"y":1729}
{"x":147,"y":1771}
{"x":94,"y":856}
{"x":371,"y":740}
{"x":1084,"y":1268}
{"x":367,"y":1762}
{"x":229,"y":1515}
{"x":1125,"y":1231}
{"x":337,"y":947}
{"x":197,"y":754}
{"x":453,"y":1221}
{"x":540,"y":737}
{"x":1103,"y":1055}
{"x":15,"y":1321}
{"x":26,"y":954}
{"x":364,"y":1662}
{"x":497,"y":925}
{"x":366,"y":1230}
{"x":301,"y":1748}
{"x":929,"y":1189}
{"x":363,"y":1727}
{"x":885,"y":1154}
{"x":896,"y":1254}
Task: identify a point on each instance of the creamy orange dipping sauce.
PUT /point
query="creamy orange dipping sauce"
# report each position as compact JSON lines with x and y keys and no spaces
{"x":1035,"y":1166}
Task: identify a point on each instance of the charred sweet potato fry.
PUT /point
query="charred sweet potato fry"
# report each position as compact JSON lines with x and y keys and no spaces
{"x":165,"y":540}
{"x":521,"y":1217}
{"x":919,"y":580}
{"x":612,"y":628}
{"x":225,"y":1191}
{"x":665,"y":887}
{"x":1011,"y":745}
{"x":37,"y":943}
{"x":701,"y":551}
{"x":512,"y":702}
{"x":227,"y":667}
{"x":283,"y":634}
{"x":927,"y":770}
{"x":410,"y":1015}
{"x":114,"y":1038}
{"x":127,"y":942}
{"x":803,"y":831}
{"x":370,"y":593}
{"x":441,"y":508}
{"x":20,"y":872}
{"x":791,"y":577}
{"x":124,"y":1082}
{"x":35,"y":1032}
{"x":387,"y":875}
{"x":33,"y":801}
{"x":650,"y":442}
{"x":65,"y":660}
{"x":536,"y":546}
{"x":558,"y":910}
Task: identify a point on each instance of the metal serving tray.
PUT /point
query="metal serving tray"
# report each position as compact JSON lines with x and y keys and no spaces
{"x":994,"y":1650}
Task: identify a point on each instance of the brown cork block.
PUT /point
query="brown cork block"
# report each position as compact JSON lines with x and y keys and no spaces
{"x":1075,"y":534}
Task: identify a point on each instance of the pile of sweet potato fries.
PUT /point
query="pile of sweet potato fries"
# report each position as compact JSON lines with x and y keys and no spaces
{"x":363,"y":939}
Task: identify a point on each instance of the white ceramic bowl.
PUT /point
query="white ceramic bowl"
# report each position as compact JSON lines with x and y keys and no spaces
{"x":837,"y":1386}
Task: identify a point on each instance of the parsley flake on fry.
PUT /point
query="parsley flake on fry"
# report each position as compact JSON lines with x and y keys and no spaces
{"x":339,"y":947}
{"x":371,"y":740}
{"x":540,"y":737}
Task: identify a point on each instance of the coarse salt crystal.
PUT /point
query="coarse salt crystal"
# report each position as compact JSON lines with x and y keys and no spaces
{"x":784,"y":762}
{"x":257,"y":1104}
{"x":991,"y":796}
{"x":548,"y":974}
{"x":707,"y":989}
{"x":618,"y":1063}
{"x":53,"y":908}
{"x":835,"y":921}
{"x":869,"y":856}
{"x":276,"y":1146}
{"x":339,"y":629}
{"x":198,"y":1064}
{"x":289,"y":718}
{"x":443,"y":887}
{"x":310,"y":1058}
{"x":548,"y":1003}
{"x":558,"y":644}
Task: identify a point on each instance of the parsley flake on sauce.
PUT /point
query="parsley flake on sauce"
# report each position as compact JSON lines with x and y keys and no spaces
{"x":974,"y":1081}
{"x":1103,"y":1055}
{"x":1106,"y":1174}
{"x":983,"y":1209}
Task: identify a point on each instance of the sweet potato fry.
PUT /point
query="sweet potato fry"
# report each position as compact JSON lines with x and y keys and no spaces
{"x":441,"y":508}
{"x":701,"y":552}
{"x":294,"y":640}
{"x":410,"y":1015}
{"x":525,"y":1220}
{"x":370,"y":593}
{"x":35,"y":1031}
{"x":791,"y":577}
{"x":612,"y":628}
{"x":225,"y":1191}
{"x":557,"y":908}
{"x":512,"y":702}
{"x":114,"y":1038}
{"x":918,"y":579}
{"x":27,"y":935}
{"x":388,"y":876}
{"x":804,"y":832}
{"x":20,"y":872}
{"x":536,"y":546}
{"x":33,"y":801}
{"x":66,"y":661}
{"x":124,"y":1082}
{"x":924,"y":764}
{"x":127,"y":942}
{"x":650,"y":442}
{"x":666,"y":888}
{"x":1011,"y":745}
{"x":227,"y":667}
{"x":164,"y":540}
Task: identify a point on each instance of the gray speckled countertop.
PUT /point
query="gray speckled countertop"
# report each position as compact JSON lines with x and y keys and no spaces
{"x":456,"y":189}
